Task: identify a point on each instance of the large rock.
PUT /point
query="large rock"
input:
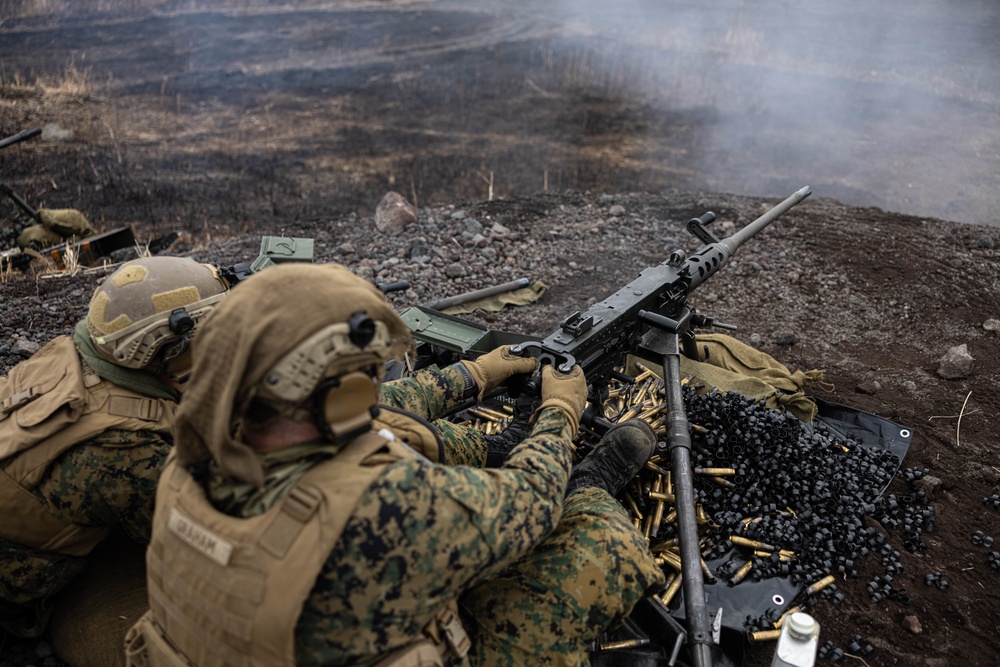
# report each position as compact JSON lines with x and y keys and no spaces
{"x":394,"y":213}
{"x":956,"y":363}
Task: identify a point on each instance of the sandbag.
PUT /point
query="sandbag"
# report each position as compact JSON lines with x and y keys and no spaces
{"x":66,"y":222}
{"x":39,"y":235}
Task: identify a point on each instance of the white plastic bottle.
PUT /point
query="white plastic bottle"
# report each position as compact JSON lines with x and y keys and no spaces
{"x":798,"y":642}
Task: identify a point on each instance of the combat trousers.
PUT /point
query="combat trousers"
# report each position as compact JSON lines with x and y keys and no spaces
{"x":549,"y":606}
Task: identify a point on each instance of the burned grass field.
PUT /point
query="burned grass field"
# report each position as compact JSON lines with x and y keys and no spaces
{"x":226,"y":124}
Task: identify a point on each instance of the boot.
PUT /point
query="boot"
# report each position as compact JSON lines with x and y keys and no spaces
{"x":619,"y":455}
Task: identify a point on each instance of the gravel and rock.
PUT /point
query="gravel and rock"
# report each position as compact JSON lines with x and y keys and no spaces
{"x":874,"y":299}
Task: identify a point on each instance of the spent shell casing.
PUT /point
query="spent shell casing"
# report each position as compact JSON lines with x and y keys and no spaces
{"x":649,"y":465}
{"x":718,"y":472}
{"x":666,"y":545}
{"x":623,"y":644}
{"x":741,"y":573}
{"x":658,"y":512}
{"x":632,"y":505}
{"x":665,"y":497}
{"x":820,"y":585}
{"x":700,"y":515}
{"x":668,"y":558}
{"x":753,"y":544}
{"x":788,"y":612}
{"x":765,"y":636}
{"x":671,"y":592}
{"x":705,"y":570}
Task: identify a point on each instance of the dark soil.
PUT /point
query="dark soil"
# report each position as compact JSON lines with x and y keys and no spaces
{"x":229,"y":126}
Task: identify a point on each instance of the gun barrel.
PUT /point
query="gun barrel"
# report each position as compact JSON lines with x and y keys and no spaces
{"x":739,"y":238}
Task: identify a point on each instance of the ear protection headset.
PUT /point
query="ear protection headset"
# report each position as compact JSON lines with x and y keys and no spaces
{"x":346,"y":405}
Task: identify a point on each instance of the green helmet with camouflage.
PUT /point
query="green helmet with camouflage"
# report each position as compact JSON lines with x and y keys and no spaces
{"x":144,"y":315}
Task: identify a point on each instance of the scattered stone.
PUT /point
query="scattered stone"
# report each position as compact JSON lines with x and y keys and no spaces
{"x":458,"y":215}
{"x":394,"y":213}
{"x":499,"y":230}
{"x":912,"y":624}
{"x":346,"y":248}
{"x":956,"y":364}
{"x":991,"y":325}
{"x":25,"y":348}
{"x":986,"y":242}
{"x":930,"y":485}
{"x":472,"y":227}
{"x":910,"y":386}
{"x":455,"y":270}
{"x":420,"y":252}
{"x":786,"y":339}
{"x":867,"y":388}
{"x":616,"y":210}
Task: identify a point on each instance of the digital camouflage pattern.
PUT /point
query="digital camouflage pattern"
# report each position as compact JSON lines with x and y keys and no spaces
{"x":584,"y":577}
{"x":430,"y":393}
{"x":425,"y":534}
{"x":109,"y":481}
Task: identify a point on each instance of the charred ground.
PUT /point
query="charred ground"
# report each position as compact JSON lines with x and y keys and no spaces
{"x":291,"y":139}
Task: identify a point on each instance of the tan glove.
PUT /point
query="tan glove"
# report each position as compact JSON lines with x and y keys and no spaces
{"x":491,"y":369}
{"x":566,"y":392}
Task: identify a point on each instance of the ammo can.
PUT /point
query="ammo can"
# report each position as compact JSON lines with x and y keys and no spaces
{"x":798,"y":642}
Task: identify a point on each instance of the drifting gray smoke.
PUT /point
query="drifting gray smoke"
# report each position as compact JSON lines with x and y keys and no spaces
{"x":899,"y":110}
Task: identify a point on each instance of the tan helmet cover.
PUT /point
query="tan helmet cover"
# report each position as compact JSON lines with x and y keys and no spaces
{"x":129,"y":313}
{"x":269,"y":339}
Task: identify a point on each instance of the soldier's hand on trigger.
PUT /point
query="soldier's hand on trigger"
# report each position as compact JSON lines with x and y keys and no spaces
{"x":566,"y":392}
{"x":492,"y":369}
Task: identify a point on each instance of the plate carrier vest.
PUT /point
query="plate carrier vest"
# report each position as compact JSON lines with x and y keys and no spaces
{"x":48,"y":404}
{"x":228,"y":591}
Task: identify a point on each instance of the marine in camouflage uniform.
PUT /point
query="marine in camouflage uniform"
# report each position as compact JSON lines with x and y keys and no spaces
{"x":539,"y":561}
{"x":85,"y":430}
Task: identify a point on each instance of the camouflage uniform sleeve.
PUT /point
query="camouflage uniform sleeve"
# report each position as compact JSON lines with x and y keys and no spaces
{"x":425,"y":533}
{"x":109,"y":480}
{"x":429,"y":393}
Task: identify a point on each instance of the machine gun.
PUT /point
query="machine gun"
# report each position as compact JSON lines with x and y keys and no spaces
{"x":650,"y":318}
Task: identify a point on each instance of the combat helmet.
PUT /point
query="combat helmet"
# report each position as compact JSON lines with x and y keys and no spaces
{"x":145,"y":313}
{"x":332,"y":376}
